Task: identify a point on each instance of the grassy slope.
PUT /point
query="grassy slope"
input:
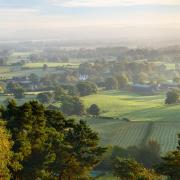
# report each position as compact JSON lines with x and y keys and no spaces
{"x":168,"y":65}
{"x":125,"y":134}
{"x":40,"y":65}
{"x":11,"y":72}
{"x":133,"y":106}
{"x":17,"y":56}
{"x":107,"y":177}
{"x":27,"y":98}
{"x":151,"y":119}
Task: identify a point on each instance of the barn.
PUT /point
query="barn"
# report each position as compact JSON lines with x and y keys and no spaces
{"x":144,"y":88}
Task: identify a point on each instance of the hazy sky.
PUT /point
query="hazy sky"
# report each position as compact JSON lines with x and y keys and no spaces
{"x":61,"y":18}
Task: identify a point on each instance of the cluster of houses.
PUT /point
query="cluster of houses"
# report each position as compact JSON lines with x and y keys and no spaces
{"x":25,"y":82}
{"x":83,"y":77}
{"x":138,"y":88}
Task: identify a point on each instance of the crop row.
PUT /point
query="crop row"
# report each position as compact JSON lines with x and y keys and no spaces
{"x":125,"y":134}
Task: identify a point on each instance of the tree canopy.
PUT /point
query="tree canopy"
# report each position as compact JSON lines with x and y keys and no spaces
{"x":5,"y":152}
{"x":131,"y":170}
{"x":86,"y":88}
{"x":72,"y":105}
{"x":93,"y":110}
{"x":170,"y":166}
{"x":48,"y":146}
{"x":111,"y":83}
{"x":172,"y":97}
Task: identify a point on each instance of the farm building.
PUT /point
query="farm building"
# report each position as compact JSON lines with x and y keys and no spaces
{"x":25,"y":82}
{"x":83,"y":77}
{"x":20,"y":79}
{"x":144,"y":88}
{"x":168,"y":86}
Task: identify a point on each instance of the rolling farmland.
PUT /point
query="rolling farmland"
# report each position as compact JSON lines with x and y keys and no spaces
{"x":125,"y":134}
{"x":10,"y":72}
{"x":150,"y":119}
{"x":135,"y":107}
{"x":51,"y":65}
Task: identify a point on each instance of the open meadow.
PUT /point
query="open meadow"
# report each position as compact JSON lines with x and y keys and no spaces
{"x":150,"y":119}
{"x":51,"y":65}
{"x":10,"y":72}
{"x":134,"y":107}
{"x":126,"y":134}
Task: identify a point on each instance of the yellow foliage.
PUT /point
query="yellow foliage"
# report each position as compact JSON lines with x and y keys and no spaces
{"x":5,"y":151}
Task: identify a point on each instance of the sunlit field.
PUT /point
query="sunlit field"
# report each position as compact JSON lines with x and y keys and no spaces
{"x":134,"y":107}
{"x":150,"y":119}
{"x":50,"y":65}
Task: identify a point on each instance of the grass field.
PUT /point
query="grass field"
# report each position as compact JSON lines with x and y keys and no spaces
{"x":150,"y":119}
{"x":29,"y":68}
{"x":26,"y":72}
{"x":107,"y":177}
{"x":4,"y":69}
{"x":133,"y":106}
{"x":27,"y":98}
{"x":170,"y":66}
{"x":125,"y":134}
{"x":51,"y":65}
{"x":17,"y":56}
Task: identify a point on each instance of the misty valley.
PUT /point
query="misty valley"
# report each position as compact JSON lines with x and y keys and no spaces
{"x":88,"y":112}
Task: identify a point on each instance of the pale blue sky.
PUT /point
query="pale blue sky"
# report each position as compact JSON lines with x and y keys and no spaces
{"x":65,"y":14}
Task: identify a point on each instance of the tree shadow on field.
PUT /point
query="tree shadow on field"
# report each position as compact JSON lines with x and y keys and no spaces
{"x":131,"y":96}
{"x":119,"y":93}
{"x":155,"y":114}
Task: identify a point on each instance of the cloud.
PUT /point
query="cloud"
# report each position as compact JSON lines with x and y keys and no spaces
{"x":33,"y":19}
{"x":29,"y":18}
{"x":30,"y":23}
{"x":111,"y":3}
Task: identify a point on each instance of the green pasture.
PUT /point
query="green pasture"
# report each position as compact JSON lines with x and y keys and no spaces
{"x":125,"y":134}
{"x":17,"y":56}
{"x":4,"y":99}
{"x":24,"y":54}
{"x":27,"y":72}
{"x":150,"y":119}
{"x":106,"y":177}
{"x":132,"y":106}
{"x":170,"y":66}
{"x":4,"y":69}
{"x":50,"y":65}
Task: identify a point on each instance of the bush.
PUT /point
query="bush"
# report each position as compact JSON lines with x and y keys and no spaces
{"x":172,"y":97}
{"x":72,"y":106}
{"x":45,"y":97}
{"x":111,"y":83}
{"x":86,"y":88}
{"x":19,"y":93}
{"x":93,"y":110}
{"x":131,"y":170}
